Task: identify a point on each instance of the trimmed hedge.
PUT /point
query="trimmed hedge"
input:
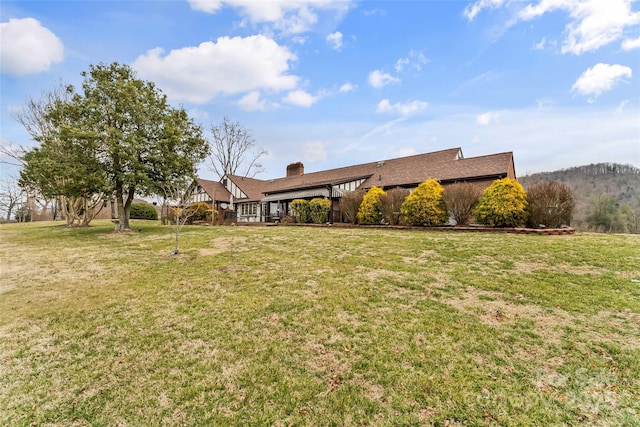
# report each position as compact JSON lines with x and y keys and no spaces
{"x":143,"y":211}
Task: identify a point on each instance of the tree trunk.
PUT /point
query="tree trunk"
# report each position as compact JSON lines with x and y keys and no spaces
{"x":124,"y":208}
{"x":120,"y":209}
{"x":10,"y":207}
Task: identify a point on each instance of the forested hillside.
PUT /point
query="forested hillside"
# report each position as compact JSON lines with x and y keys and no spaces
{"x":607,"y":195}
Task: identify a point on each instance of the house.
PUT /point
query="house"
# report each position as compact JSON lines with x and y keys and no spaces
{"x":253,"y":200}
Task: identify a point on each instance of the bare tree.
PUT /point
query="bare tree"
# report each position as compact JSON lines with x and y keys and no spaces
{"x":178,"y":195}
{"x":34,"y":116}
{"x":12,"y":154}
{"x":233,"y":148}
{"x":11,"y":197}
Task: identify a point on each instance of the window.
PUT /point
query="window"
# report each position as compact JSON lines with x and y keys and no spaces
{"x":248,"y":209}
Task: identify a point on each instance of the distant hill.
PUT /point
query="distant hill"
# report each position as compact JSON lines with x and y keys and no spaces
{"x":591,"y":182}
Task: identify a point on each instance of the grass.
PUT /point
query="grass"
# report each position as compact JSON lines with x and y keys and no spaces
{"x":316,"y":326}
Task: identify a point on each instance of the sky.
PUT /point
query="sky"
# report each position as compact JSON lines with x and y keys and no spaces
{"x":336,"y":83}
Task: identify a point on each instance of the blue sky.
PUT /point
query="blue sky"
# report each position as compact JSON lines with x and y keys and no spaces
{"x":336,"y":83}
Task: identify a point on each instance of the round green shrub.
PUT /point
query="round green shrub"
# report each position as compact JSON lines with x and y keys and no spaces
{"x":196,"y":212}
{"x":369,"y":211}
{"x":319,"y":209}
{"x":143,"y":211}
{"x":425,"y":205}
{"x":301,"y":210}
{"x":503,"y":204}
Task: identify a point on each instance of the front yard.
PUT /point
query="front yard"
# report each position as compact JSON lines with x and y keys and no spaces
{"x":316,"y":326}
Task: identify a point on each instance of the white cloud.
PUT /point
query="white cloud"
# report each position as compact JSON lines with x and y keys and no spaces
{"x":600,"y":78}
{"x":300,"y":39}
{"x":198,"y":114}
{"x":415,"y":59}
{"x":253,"y":102}
{"x":348,"y":87}
{"x":488,"y":118}
{"x":300,"y":98}
{"x":544,"y":43}
{"x":288,"y":16}
{"x":592,"y":23}
{"x":315,"y":151}
{"x":472,"y":10}
{"x":622,"y":106}
{"x":378,"y":79}
{"x":400,"y":64}
{"x":629,"y":44}
{"x":335,"y":40}
{"x":228,"y":66}
{"x":403,"y":109}
{"x":545,"y":104}
{"x":27,"y":47}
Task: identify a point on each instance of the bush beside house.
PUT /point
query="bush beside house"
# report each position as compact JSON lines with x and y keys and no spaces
{"x":461,"y":198}
{"x":503,"y":204}
{"x":319,"y":209}
{"x":550,"y":204}
{"x":301,"y":210}
{"x":369,"y":212}
{"x":425,"y":205}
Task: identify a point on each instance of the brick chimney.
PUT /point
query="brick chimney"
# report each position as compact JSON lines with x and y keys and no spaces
{"x":295,"y":169}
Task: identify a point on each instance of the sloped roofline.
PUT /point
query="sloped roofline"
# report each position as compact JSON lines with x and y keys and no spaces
{"x":446,"y":165}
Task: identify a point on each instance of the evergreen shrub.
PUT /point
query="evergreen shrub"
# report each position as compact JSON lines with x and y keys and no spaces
{"x":301,"y":210}
{"x":143,"y":211}
{"x":503,"y":204}
{"x":425,"y":205}
{"x":319,"y":209}
{"x":369,"y":211}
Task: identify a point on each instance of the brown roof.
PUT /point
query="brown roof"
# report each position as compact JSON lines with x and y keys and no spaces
{"x":444,"y":166}
{"x":252,"y":187}
{"x":215,"y":189}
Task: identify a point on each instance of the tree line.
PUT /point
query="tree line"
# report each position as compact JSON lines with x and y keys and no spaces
{"x":607,"y":195}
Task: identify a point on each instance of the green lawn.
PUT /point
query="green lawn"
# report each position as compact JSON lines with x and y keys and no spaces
{"x":262,"y":326}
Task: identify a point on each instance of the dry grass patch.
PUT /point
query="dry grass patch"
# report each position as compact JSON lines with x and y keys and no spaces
{"x":316,"y":326}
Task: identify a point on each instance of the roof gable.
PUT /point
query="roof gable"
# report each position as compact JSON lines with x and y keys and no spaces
{"x":215,"y":190}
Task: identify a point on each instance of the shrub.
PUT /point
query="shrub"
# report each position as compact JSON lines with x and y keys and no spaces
{"x":550,"y":204}
{"x":369,"y":210}
{"x":319,"y":209}
{"x":143,"y":211}
{"x":211,"y":216}
{"x":196,"y":212}
{"x":350,"y":203}
{"x":461,"y":198}
{"x":425,"y":206}
{"x":390,"y":203}
{"x":173,"y":214}
{"x":503,"y":204}
{"x":301,"y":210}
